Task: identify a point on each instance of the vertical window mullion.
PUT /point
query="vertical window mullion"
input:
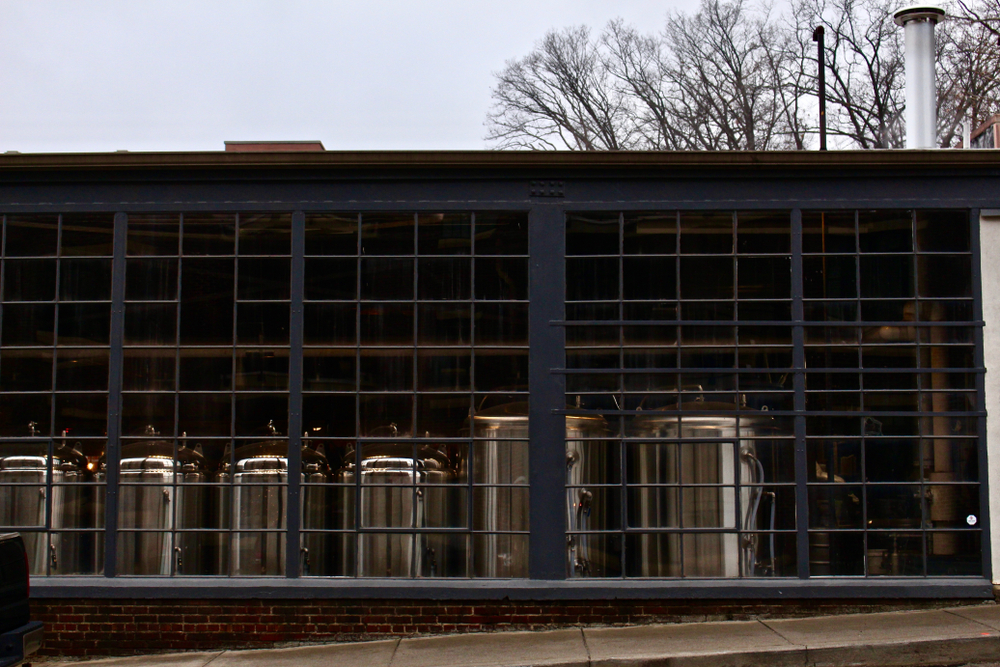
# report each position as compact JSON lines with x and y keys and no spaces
{"x":979,"y":362}
{"x":295,"y":331}
{"x":114,"y":393}
{"x":798,"y":363}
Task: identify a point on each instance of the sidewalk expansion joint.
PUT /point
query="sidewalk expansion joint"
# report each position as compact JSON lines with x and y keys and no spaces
{"x":586,"y":647}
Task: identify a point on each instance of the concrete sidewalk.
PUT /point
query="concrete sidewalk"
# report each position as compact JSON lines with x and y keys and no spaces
{"x":958,"y":636}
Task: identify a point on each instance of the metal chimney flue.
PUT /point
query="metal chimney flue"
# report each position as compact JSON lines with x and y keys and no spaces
{"x":918,"y":24}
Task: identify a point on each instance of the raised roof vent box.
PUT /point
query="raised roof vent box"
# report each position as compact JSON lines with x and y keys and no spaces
{"x":274,"y":146}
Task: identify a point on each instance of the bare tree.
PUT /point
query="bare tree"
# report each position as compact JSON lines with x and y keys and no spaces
{"x":561,"y":96}
{"x":968,"y":68}
{"x":729,"y":77}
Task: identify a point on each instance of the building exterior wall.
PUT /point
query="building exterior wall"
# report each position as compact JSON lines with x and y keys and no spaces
{"x":589,"y":225}
{"x":990,"y":244}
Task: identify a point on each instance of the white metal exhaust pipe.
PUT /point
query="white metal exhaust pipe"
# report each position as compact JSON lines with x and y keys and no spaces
{"x":918,"y":24}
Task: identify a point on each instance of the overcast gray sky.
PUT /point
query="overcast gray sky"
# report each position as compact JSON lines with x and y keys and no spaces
{"x":173,"y":75}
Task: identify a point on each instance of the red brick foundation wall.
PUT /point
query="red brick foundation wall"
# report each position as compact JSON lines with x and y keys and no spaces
{"x":98,"y":627}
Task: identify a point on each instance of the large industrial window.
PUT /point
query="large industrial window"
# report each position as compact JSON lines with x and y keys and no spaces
{"x":747,"y":394}
{"x":54,"y":358}
{"x":689,"y":357}
{"x":415,"y":395}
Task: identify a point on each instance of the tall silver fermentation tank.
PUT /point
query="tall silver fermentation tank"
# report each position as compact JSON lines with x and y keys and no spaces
{"x":257,"y":513}
{"x":403,"y":485}
{"x":155,"y":496}
{"x":501,"y":458}
{"x":711,"y":462}
{"x":24,"y":479}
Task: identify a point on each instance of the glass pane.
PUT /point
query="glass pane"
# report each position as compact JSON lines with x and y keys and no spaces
{"x":653,"y":555}
{"x":706,"y":233}
{"x":331,"y":234}
{"x":265,"y":233}
{"x":444,"y":233}
{"x":82,"y":370}
{"x":264,"y":279}
{"x":31,"y":235}
{"x":85,"y":280}
{"x":954,"y":554}
{"x":837,"y":554}
{"x":262,"y":323}
{"x":763,"y":232}
{"x":204,"y":414}
{"x":257,"y":413}
{"x":331,"y":279}
{"x":329,"y":415}
{"x":262,"y":369}
{"x":501,"y":233}
{"x":150,"y":323}
{"x":209,"y":233}
{"x":26,"y":370}
{"x":501,"y":279}
{"x":380,"y":411}
{"x":82,"y":414}
{"x":386,"y":555}
{"x":828,"y":231}
{"x":140,"y":412}
{"x":764,"y":277}
{"x":386,"y":324}
{"x":587,"y":279}
{"x":153,"y":234}
{"x":148,"y":369}
{"x":387,"y":233}
{"x":387,"y":370}
{"x":207,"y":301}
{"x":18,"y":411}
{"x":501,"y":323}
{"x":443,"y":370}
{"x":88,"y":234}
{"x":943,"y":231}
{"x":592,"y":234}
{"x":387,"y":279}
{"x":29,"y":280}
{"x":836,"y":506}
{"x":499,"y":370}
{"x":885,"y":231}
{"x":829,"y":277}
{"x":445,"y":416}
{"x":151,"y":279}
{"x":25,"y":324}
{"x":895,"y":554}
{"x":650,"y":233}
{"x":945,"y":275}
{"x":336,"y":323}
{"x":706,"y":278}
{"x":329,"y":370}
{"x":447,"y":279}
{"x":649,"y":278}
{"x":444,"y":324}
{"x":84,"y":323}
{"x":594,"y":555}
{"x":206,"y":370}
{"x":500,"y":556}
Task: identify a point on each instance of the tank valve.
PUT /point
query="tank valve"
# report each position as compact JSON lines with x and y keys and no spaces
{"x":52,"y":557}
{"x":305,"y":561}
{"x":179,"y":560}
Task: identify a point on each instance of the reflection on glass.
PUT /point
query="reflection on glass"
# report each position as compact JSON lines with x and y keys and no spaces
{"x":82,"y":370}
{"x":265,"y":233}
{"x":759,"y":232}
{"x":264,"y":279}
{"x":327,"y":278}
{"x":706,"y":233}
{"x":650,"y":233}
{"x":153,"y":234}
{"x":828,"y":232}
{"x":885,"y":231}
{"x":331,"y":234}
{"x":85,"y":280}
{"x":444,"y":233}
{"x":87,"y":234}
{"x":387,"y":233}
{"x":150,"y":279}
{"x":150,"y":324}
{"x":28,"y":324}
{"x":592,"y":234}
{"x":26,"y":370}
{"x":502,"y":233}
{"x":207,"y":301}
{"x":31,"y":235}
{"x":29,"y":280}
{"x":209,"y":234}
{"x":84,"y":323}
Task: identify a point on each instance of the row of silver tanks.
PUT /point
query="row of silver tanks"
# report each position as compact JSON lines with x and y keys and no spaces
{"x":411,"y":494}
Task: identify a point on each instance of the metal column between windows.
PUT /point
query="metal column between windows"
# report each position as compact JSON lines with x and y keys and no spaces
{"x":293,"y":557}
{"x":115,"y":395}
{"x":547,"y":449}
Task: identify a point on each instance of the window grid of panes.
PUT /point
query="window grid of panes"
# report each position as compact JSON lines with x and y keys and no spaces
{"x":415,"y":356}
{"x":680,"y":394}
{"x":54,"y":358}
{"x":203,"y":469}
{"x":888,"y":302}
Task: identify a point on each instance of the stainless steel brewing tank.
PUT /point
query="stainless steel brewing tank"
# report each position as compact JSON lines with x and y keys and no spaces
{"x":24,"y":478}
{"x":258,"y":509}
{"x":159,"y":490}
{"x":500,"y":459}
{"x":711,"y":462}
{"x":403,"y":485}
